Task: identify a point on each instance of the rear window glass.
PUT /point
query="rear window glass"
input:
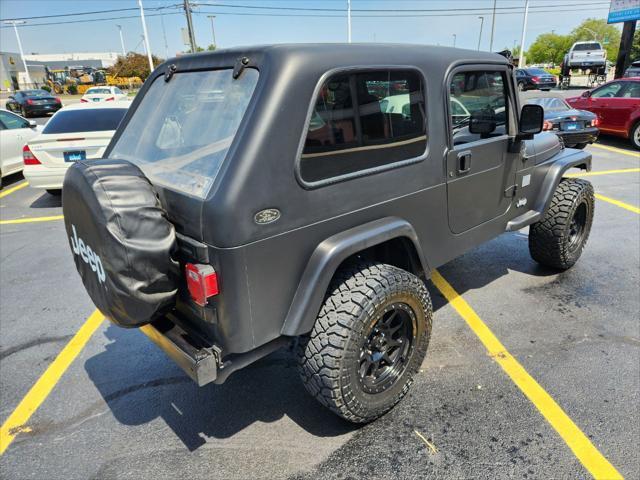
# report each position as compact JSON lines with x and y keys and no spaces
{"x":182,"y":130}
{"x":550,"y":104}
{"x":89,"y":120}
{"x":587,"y":46}
{"x":537,"y":71}
{"x":97,"y":91}
{"x":36,"y":93}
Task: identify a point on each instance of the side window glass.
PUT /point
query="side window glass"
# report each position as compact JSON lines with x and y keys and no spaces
{"x":608,"y":91}
{"x":363,"y":121}
{"x":479,"y":97}
{"x":11,"y":121}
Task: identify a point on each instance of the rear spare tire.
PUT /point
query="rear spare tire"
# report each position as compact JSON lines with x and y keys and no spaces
{"x":122,"y":243}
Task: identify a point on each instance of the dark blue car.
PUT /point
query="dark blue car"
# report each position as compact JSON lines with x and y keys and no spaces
{"x":577,"y":128}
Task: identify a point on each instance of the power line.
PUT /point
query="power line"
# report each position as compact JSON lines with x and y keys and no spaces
{"x":97,"y":12}
{"x":92,"y":20}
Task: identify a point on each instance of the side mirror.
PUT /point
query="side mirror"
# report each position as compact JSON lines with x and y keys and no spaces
{"x":482,"y":123}
{"x":586,"y":94}
{"x":531,"y":119}
{"x":33,"y":124}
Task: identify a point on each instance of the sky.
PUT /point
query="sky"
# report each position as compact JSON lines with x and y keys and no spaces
{"x":233,"y":27}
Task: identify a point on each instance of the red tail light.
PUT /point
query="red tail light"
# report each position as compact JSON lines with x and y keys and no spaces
{"x":28,"y":157}
{"x":547,"y":125}
{"x":110,"y":99}
{"x":82,"y":100}
{"x":29,"y":101}
{"x":535,"y":79}
{"x":595,"y":122}
{"x":60,"y":101}
{"x":202,"y":281}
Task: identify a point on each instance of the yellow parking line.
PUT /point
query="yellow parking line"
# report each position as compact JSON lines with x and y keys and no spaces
{"x":43,"y":387}
{"x":9,"y":191}
{"x":617,"y":150}
{"x":577,"y":441}
{"x":603,"y":172}
{"x":31,"y":219}
{"x":618,"y":203}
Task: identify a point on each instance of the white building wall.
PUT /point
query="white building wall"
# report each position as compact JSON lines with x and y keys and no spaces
{"x":107,"y":58}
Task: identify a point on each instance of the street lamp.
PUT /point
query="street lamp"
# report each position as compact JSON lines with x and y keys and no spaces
{"x":15,"y":24}
{"x":454,"y":40}
{"x":480,"y":34}
{"x":213,"y":32}
{"x":124,"y":51}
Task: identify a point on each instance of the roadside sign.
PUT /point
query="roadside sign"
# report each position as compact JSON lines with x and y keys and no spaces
{"x":624,"y":11}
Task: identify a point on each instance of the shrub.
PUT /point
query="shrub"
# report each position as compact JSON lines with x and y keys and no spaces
{"x":46,"y":88}
{"x":72,"y":89}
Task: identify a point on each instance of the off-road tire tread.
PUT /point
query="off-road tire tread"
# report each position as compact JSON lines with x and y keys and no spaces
{"x":354,"y":290}
{"x":547,"y":242}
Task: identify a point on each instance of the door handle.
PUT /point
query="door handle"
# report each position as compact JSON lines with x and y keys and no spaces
{"x":464,"y":162}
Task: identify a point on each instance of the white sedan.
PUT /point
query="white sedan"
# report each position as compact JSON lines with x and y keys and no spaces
{"x":15,"y":131}
{"x":103,"y":94}
{"x":74,"y":133}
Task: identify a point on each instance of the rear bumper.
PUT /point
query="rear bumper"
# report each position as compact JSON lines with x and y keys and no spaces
{"x":203,"y":363}
{"x":588,"y":135}
{"x":544,"y":85}
{"x":41,"y":176}
{"x":41,"y":109}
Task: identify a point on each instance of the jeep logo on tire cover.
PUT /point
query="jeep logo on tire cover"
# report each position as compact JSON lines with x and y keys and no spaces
{"x":87,"y":255}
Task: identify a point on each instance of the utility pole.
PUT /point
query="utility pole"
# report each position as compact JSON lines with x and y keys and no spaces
{"x":349,"y":21}
{"x":624,"y":54}
{"x":164,"y":36}
{"x":192,"y":36}
{"x":493,"y":25}
{"x":124,"y":50}
{"x":213,"y":32}
{"x":480,"y":34}
{"x":15,"y":24}
{"x":521,"y":59}
{"x":454,"y":40}
{"x":145,"y":37}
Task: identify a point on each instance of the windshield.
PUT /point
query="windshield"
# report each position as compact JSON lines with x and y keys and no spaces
{"x":81,"y":120}
{"x":36,"y":93}
{"x":98,"y":90}
{"x":587,"y":46}
{"x":550,"y":104}
{"x":182,"y":130}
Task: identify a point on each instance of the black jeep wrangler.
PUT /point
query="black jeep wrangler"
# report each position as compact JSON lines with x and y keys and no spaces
{"x":255,"y":198}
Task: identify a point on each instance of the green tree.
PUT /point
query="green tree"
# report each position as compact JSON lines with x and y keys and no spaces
{"x":598,"y":29}
{"x":635,"y":47}
{"x":549,"y":48}
{"x":133,"y":65}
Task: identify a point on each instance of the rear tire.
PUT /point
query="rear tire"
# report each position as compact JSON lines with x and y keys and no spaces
{"x":558,"y":239}
{"x":635,"y":136}
{"x":521,"y":87}
{"x":368,"y":341}
{"x":23,"y":112}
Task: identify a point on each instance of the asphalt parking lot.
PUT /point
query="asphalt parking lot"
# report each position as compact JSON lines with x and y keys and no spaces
{"x":530,"y":373}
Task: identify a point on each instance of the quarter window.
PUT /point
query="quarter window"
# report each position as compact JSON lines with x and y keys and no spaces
{"x":362,"y":121}
{"x":478,"y":97}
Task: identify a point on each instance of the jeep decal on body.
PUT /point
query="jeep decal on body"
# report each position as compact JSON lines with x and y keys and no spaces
{"x":87,"y":255}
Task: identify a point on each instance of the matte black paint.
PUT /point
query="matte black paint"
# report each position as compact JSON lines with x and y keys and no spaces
{"x":273,"y":276}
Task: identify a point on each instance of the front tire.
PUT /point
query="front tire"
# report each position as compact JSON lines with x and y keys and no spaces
{"x":558,"y":239}
{"x":635,"y":136}
{"x":368,"y":341}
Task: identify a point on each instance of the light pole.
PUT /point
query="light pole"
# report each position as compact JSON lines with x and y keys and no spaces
{"x":213,"y":31}
{"x":595,"y":35}
{"x":349,"y":21}
{"x":493,"y":25}
{"x":15,"y":24}
{"x":454,"y":40}
{"x":521,"y":59}
{"x":124,"y":50}
{"x":480,"y":34}
{"x":145,"y":37}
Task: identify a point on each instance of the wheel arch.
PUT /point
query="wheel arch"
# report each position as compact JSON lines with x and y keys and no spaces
{"x":390,"y":240}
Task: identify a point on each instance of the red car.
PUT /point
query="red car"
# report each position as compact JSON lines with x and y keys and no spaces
{"x":617,"y":105}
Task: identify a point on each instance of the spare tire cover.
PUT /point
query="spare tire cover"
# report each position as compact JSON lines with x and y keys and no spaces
{"x":122,"y":243}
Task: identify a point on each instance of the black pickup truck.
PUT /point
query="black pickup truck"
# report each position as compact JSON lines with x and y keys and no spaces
{"x":301,"y":195}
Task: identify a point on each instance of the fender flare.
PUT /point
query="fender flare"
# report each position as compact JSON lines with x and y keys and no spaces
{"x":326,"y":259}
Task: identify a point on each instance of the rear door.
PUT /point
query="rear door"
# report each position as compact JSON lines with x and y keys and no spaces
{"x":480,"y":170}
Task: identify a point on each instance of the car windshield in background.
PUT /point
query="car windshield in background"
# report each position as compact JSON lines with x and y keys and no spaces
{"x":36,"y":93}
{"x":96,"y":91}
{"x":587,"y":46}
{"x":182,"y":130}
{"x":81,"y":120}
{"x":550,"y":104}
{"x":537,"y":71}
